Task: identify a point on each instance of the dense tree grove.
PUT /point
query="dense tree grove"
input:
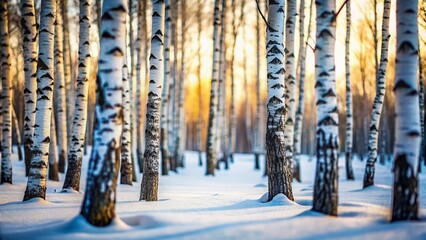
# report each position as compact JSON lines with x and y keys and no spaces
{"x":129,"y":97}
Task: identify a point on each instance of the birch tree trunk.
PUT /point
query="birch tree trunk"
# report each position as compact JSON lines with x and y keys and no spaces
{"x":126,"y":147}
{"x":407,"y":136}
{"x":200,"y":92}
{"x":60,"y":91}
{"x":98,"y":206}
{"x":349,"y":108}
{"x":140,"y":79}
{"x":298,"y":126}
{"x":422,"y":111}
{"x":290,"y":80}
{"x":6,"y":96}
{"x":149,"y":186}
{"x":36,"y":185}
{"x":373,"y":139}
{"x":257,"y":123}
{"x":210,"y":143}
{"x":17,"y":133}
{"x":325,"y":197}
{"x":165,"y":93}
{"x":53,"y":153}
{"x":279,"y":171}
{"x":29,"y":44}
{"x":75,"y":154}
{"x":68,"y":82}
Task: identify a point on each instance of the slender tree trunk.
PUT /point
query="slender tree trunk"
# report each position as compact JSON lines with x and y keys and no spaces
{"x":257,"y":123}
{"x":200,"y":92}
{"x":36,"y":185}
{"x":29,"y":35}
{"x":298,"y":126}
{"x":279,"y":171}
{"x":17,"y":133}
{"x":290,"y":81}
{"x":165,"y":93}
{"x":132,"y":81}
{"x":126,"y":147}
{"x":407,"y":136}
{"x":422,"y":157}
{"x":68,"y":83}
{"x":98,"y":206}
{"x":325,"y":197}
{"x":149,"y":186}
{"x":140,"y":79}
{"x":53,"y":153}
{"x":75,"y":154}
{"x":349,"y":108}
{"x":373,"y":139}
{"x":60,"y":91}
{"x":6,"y":96}
{"x":210,"y":150}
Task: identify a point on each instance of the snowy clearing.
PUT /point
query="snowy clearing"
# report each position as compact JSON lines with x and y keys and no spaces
{"x":227,"y":206}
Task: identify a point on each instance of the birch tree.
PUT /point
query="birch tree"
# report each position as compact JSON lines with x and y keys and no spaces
{"x":29,"y":44}
{"x":290,"y":80}
{"x":36,"y":185}
{"x":257,"y":133}
{"x":407,"y":136}
{"x":17,"y":133}
{"x":60,"y":91}
{"x":325,"y":197}
{"x":75,"y":154}
{"x":98,"y":206}
{"x":53,"y":153}
{"x":6,"y":96}
{"x":373,"y":138}
{"x":279,"y":171}
{"x":200,"y":98}
{"x":210,"y":143}
{"x":149,"y":186}
{"x":349,"y":108}
{"x":165,"y":93}
{"x":126,"y":150}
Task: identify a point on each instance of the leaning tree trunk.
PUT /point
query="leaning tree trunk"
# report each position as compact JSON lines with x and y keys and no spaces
{"x":279,"y":171}
{"x":373,"y":139}
{"x":53,"y":153}
{"x":407,"y":126}
{"x":149,"y":186}
{"x":36,"y":185}
{"x":140,"y":79}
{"x":75,"y":154}
{"x":126,"y":146}
{"x":60,"y":91}
{"x":325,"y":197}
{"x":349,"y":108}
{"x":211,"y":151}
{"x":29,"y":43}
{"x":98,"y":206}
{"x":6,"y":96}
{"x":290,"y":81}
{"x":165,"y":93}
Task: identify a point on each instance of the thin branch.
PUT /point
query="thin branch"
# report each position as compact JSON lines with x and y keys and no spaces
{"x":309,"y":45}
{"x":338,"y":12}
{"x":261,"y":14}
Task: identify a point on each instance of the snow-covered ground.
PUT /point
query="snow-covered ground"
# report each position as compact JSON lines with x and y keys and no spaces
{"x":227,"y":206}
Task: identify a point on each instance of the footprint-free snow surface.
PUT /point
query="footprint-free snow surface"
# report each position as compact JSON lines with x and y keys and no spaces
{"x":229,"y":205}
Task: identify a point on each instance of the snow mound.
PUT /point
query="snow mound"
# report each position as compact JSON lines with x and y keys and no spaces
{"x":33,"y":201}
{"x":80,"y":224}
{"x":279,"y":199}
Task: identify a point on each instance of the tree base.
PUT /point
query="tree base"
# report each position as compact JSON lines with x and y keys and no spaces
{"x":149,"y":187}
{"x":256,"y":161}
{"x":61,"y":162}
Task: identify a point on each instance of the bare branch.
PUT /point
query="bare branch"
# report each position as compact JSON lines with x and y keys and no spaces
{"x":261,"y":14}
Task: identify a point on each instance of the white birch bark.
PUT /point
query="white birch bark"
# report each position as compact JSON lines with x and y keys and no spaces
{"x":257,"y":123}
{"x":75,"y":154}
{"x":60,"y":90}
{"x":290,"y":80}
{"x":373,"y":138}
{"x":210,"y":143}
{"x":149,"y":186}
{"x":407,"y":126}
{"x":6,"y":97}
{"x":165,"y":93}
{"x":126,"y":150}
{"x":98,"y":206}
{"x":325,"y":197}
{"x":29,"y":35}
{"x":279,"y":171}
{"x":349,"y":107}
{"x":36,"y":185}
